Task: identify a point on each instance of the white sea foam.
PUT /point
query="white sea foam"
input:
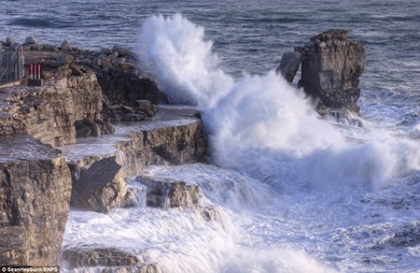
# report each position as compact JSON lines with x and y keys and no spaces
{"x":174,"y":51}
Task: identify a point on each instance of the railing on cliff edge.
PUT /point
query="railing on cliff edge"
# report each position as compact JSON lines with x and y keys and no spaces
{"x":11,"y":64}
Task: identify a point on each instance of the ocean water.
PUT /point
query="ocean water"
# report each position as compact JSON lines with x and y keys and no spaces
{"x":295,"y":193}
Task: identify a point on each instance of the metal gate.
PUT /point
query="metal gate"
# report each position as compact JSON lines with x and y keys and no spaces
{"x":11,"y":64}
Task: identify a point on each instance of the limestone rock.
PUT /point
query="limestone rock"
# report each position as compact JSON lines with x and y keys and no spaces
{"x":89,"y":128}
{"x":115,"y":111}
{"x":289,"y":65}
{"x":9,"y":41}
{"x":331,"y":68}
{"x":35,"y":188}
{"x":65,"y":46}
{"x":146,"y":107}
{"x":70,"y":93}
{"x":30,"y":40}
{"x":98,"y":256}
{"x":174,"y":136}
{"x":101,"y":187}
{"x":108,"y":259}
{"x":120,"y":78}
{"x":167,"y":193}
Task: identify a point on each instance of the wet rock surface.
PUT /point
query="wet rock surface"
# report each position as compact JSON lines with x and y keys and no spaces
{"x":34,"y":196}
{"x":168,"y":193}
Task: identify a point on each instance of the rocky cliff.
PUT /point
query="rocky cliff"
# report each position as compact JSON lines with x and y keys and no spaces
{"x":175,"y":135}
{"x":331,"y":70}
{"x":69,"y":94}
{"x":36,"y":182}
{"x":50,"y":112}
{"x":34,"y":201}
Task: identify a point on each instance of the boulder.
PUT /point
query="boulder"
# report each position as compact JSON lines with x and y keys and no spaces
{"x":65,"y":46}
{"x":35,"y":188}
{"x":9,"y":41}
{"x":146,"y":107}
{"x":30,"y":40}
{"x":101,"y":187}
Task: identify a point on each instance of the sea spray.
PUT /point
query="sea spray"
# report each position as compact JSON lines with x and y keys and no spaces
{"x":262,"y":114}
{"x":261,"y":125}
{"x":174,"y":51}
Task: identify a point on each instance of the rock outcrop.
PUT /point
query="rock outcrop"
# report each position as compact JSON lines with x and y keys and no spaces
{"x":169,"y":193}
{"x":119,"y":76}
{"x":81,"y":88}
{"x":109,"y":259}
{"x":49,"y":113}
{"x":173,"y":136}
{"x":101,"y":187}
{"x":36,"y":180}
{"x":289,"y":65}
{"x":34,"y":202}
{"x":331,"y":69}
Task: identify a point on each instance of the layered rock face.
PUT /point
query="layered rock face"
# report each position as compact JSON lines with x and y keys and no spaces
{"x":331,"y":70}
{"x":34,"y":200}
{"x":36,"y":181}
{"x":49,"y":113}
{"x":173,"y":136}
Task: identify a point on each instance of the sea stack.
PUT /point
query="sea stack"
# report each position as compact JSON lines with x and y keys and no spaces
{"x":331,"y":70}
